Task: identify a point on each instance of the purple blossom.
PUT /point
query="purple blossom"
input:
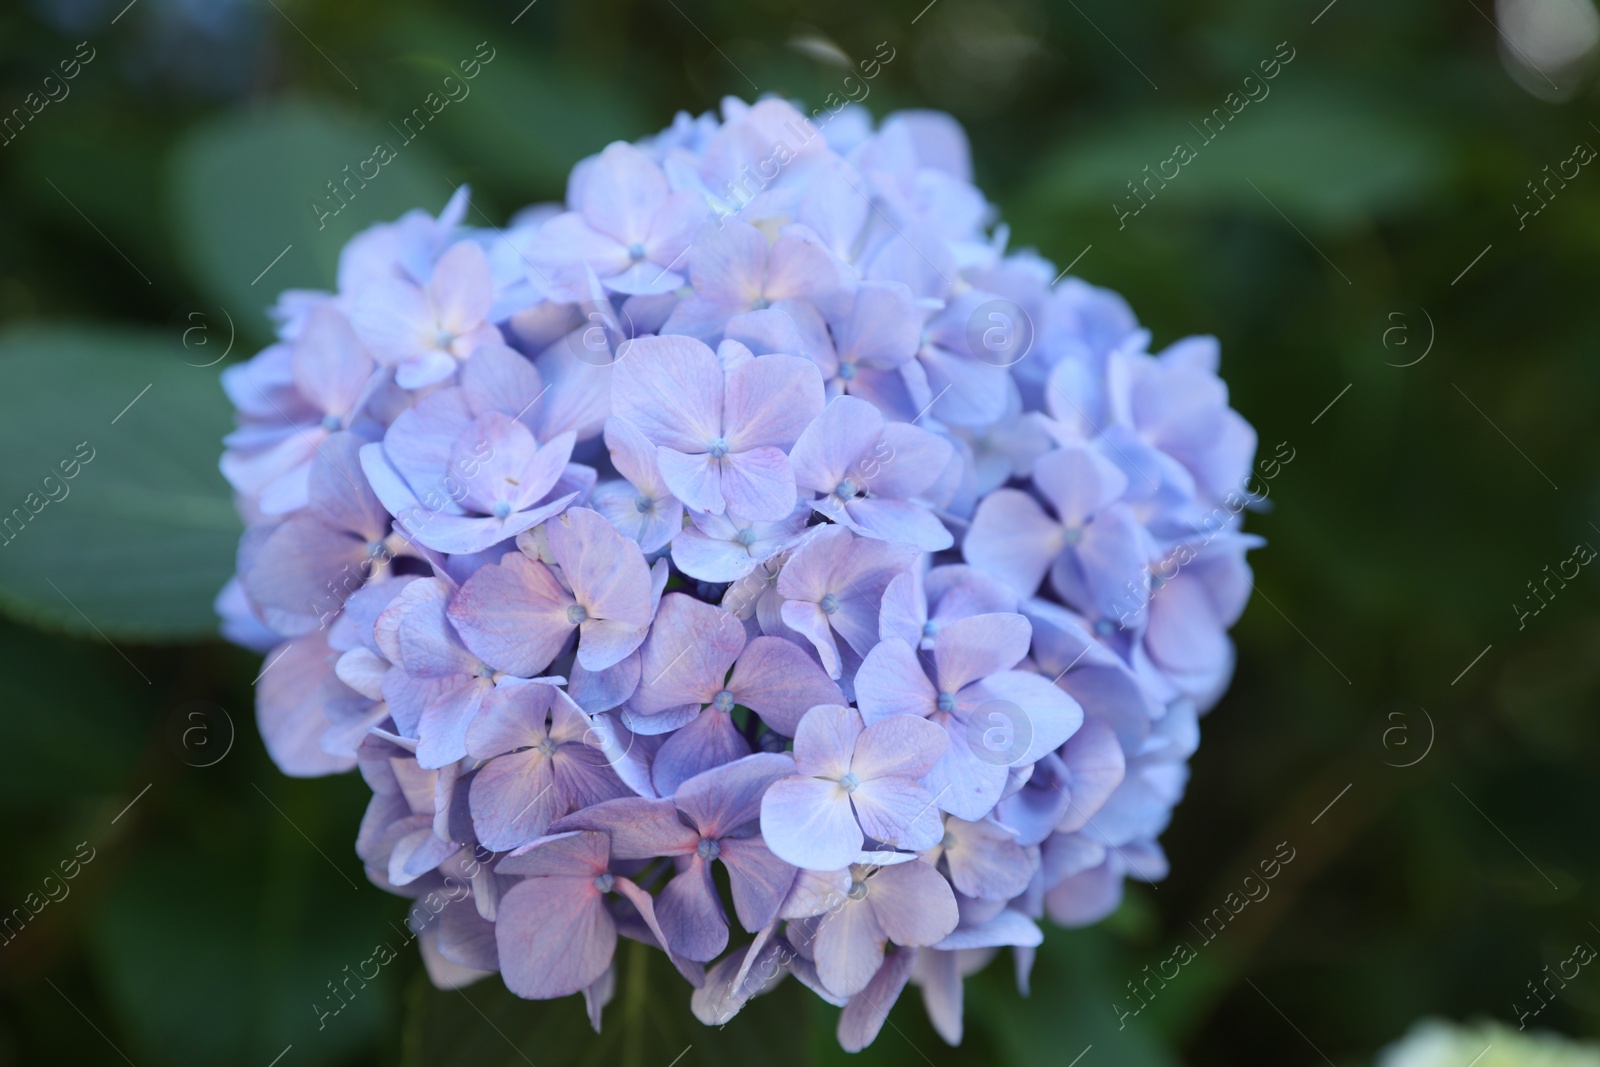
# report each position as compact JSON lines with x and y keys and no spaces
{"x":832,"y":586}
{"x":909,"y":904}
{"x":425,"y":331}
{"x":853,"y":782}
{"x":721,"y":436}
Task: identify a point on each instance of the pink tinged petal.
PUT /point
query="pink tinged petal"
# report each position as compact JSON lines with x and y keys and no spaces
{"x":882,"y":327}
{"x":461,"y":289}
{"x":607,"y":573}
{"x":514,"y":799}
{"x":779,"y":682}
{"x":687,"y":655}
{"x":640,"y":828}
{"x":710,"y":740}
{"x":1013,"y":539}
{"x":727,"y":264}
{"x":690,"y":913}
{"x":1078,"y":482}
{"x":644,"y":904}
{"x":863,"y":1017}
{"x":987,"y":862}
{"x":798,"y":269}
{"x":849,"y":946}
{"x":291,"y":711}
{"x":973,"y":648}
{"x":331,"y":368}
{"x":498,"y":378}
{"x":898,"y":811}
{"x":584,"y":775}
{"x":1095,"y":767}
{"x":1048,"y":713}
{"x":759,"y":880}
{"x":770,"y":401}
{"x":904,"y":746}
{"x":554,"y":936}
{"x":913,"y":903}
{"x":427,"y":641}
{"x":827,"y":452}
{"x":726,"y":798}
{"x":514,"y":615}
{"x":808,"y":822}
{"x":633,"y":455}
{"x":901,"y":521}
{"x":825,"y":739}
{"x":891,"y":681}
{"x":966,"y":783}
{"x":670,"y":389}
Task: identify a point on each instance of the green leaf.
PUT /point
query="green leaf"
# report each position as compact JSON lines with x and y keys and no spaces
{"x":251,"y":187}
{"x":1323,"y":154}
{"x":648,"y":1024}
{"x":114,"y":520}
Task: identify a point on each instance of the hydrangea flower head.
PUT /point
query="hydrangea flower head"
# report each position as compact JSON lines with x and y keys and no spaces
{"x":687,"y":564}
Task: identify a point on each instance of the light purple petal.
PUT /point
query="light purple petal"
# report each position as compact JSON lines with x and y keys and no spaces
{"x":868,"y":1010}
{"x":670,"y":388}
{"x":898,"y":811}
{"x":640,"y":828}
{"x":770,"y":401}
{"x":973,"y":648}
{"x":687,"y":655}
{"x":826,"y":453}
{"x":758,"y":483}
{"x":554,"y":937}
{"x":808,"y":822}
{"x":904,"y":746}
{"x":513,"y":614}
{"x":1013,"y":539}
{"x":779,"y":682}
{"x":710,"y":740}
{"x":892,"y":681}
{"x":759,"y":880}
{"x":690,"y":913}
{"x":913,"y":903}
{"x":725,"y":798}
{"x":849,"y":947}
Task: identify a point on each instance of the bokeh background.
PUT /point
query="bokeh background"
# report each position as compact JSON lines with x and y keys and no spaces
{"x":1365,"y":236}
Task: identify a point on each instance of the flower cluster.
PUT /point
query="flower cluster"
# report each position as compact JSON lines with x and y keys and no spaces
{"x":812,"y":533}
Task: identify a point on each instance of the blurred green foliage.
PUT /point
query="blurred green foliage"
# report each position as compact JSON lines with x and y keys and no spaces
{"x":1323,"y":237}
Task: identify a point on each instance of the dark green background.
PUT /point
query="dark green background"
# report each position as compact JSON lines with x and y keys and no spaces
{"x":1387,"y":156}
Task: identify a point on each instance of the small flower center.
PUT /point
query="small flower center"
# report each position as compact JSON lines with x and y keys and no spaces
{"x":760,"y":303}
{"x":376,"y":550}
{"x":708,"y":849}
{"x":604,"y":882}
{"x":858,"y":891}
{"x":850,"y":783}
{"x":1072,"y":535}
{"x":1104,"y":628}
{"x":947,"y":701}
{"x":444,"y":339}
{"x":723,"y":701}
{"x":643,"y":505}
{"x":847,"y":371}
{"x":846,"y":490}
{"x":717,"y":449}
{"x":636,"y":251}
{"x":577,"y":613}
{"x":829,"y":604}
{"x":745,"y":537}
{"x":547,"y":748}
{"x":502,"y":509}
{"x":331,"y":423}
{"x":930,"y":629}
{"x":948,"y":841}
